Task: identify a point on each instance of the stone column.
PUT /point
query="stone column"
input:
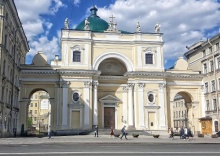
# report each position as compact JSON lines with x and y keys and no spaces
{"x":22,"y":115}
{"x":162,"y":106}
{"x":86,"y":97}
{"x":125,"y":105}
{"x":52,"y":110}
{"x":65,"y":86}
{"x":141,"y":104}
{"x":95,"y":104}
{"x":58,"y":106}
{"x":130,"y":106}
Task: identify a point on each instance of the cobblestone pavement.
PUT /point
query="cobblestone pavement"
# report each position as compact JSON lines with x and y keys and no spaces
{"x":105,"y":139}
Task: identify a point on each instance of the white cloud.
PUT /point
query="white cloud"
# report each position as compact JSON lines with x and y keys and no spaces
{"x":35,"y":25}
{"x":183,"y":22}
{"x":76,"y":2}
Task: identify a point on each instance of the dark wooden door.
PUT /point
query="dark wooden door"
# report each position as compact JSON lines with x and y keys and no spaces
{"x":109,"y":117}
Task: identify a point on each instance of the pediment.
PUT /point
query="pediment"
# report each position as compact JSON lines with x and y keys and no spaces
{"x":109,"y":99}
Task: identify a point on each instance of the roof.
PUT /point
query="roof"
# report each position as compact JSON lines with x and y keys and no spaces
{"x":96,"y":24}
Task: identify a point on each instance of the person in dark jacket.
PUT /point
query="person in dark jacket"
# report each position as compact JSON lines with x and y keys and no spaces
{"x":123,"y":133}
{"x":182,"y":136}
{"x":96,"y":131}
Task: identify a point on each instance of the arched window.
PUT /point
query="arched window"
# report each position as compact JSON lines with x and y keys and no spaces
{"x":76,"y":56}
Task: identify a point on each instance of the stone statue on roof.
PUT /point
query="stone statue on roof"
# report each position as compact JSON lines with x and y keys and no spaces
{"x":66,"y":23}
{"x":86,"y":27}
{"x":157,"y":27}
{"x":138,"y":27}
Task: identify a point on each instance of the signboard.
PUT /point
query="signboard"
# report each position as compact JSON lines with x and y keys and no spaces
{"x":44,"y":104}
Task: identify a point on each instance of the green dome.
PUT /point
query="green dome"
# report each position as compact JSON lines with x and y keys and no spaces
{"x":95,"y":22}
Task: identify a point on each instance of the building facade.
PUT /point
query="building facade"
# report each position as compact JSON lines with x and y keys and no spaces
{"x":204,"y":57}
{"x":13,"y":49}
{"x":110,"y":78}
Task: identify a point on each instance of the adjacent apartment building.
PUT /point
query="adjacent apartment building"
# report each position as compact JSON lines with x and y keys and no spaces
{"x":13,"y":49}
{"x":204,"y":56}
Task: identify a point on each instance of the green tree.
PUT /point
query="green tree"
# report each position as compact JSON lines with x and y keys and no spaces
{"x":29,"y":122}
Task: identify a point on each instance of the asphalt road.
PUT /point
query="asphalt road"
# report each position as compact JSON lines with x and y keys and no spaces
{"x":111,"y":149}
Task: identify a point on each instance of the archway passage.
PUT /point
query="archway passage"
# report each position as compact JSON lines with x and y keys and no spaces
{"x":112,"y":67}
{"x":181,"y":114}
{"x":39,"y":113}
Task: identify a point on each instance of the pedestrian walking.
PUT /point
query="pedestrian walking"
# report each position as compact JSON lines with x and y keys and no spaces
{"x":182,"y":136}
{"x":190,"y":133}
{"x":186,"y":133}
{"x":15,"y":132}
{"x":123,"y":133}
{"x":111,"y":133}
{"x":171,"y":132}
{"x":96,"y":131}
{"x":49,"y":132}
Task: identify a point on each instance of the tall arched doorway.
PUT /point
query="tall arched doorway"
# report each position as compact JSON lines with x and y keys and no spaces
{"x":182,"y":112}
{"x":39,"y":113}
{"x":109,"y":92}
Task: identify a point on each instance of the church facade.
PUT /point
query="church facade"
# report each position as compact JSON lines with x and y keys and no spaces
{"x":111,"y":78}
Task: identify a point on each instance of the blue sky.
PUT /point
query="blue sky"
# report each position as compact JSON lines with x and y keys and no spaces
{"x":183,"y":22}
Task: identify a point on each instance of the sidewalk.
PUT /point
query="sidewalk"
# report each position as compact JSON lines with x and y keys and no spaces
{"x":104,"y":139}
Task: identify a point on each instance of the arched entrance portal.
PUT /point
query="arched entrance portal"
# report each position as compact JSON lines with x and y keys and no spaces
{"x":111,"y":82}
{"x":182,"y":111}
{"x":37,"y":106}
{"x":39,"y":113}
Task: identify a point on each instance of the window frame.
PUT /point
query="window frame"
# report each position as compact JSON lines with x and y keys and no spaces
{"x":76,"y":58}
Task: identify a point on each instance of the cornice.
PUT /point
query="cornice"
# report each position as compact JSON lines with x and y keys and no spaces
{"x":112,"y":78}
{"x":38,"y":72}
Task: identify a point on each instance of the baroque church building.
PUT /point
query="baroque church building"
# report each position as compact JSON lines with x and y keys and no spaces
{"x":110,"y":78}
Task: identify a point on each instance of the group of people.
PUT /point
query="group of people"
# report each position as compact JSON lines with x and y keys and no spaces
{"x":185,"y":133}
{"x":112,"y":135}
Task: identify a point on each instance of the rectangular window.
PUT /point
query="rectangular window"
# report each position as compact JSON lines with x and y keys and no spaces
{"x":218,"y":61}
{"x":206,"y":87}
{"x":35,"y":111}
{"x":210,"y":50}
{"x":205,"y":68}
{"x":218,"y":83}
{"x":204,"y":54}
{"x":213,"y":85}
{"x":211,"y":66}
{"x":207,"y":105}
{"x":31,"y":104}
{"x":30,"y":112}
{"x":35,"y":104}
{"x":148,"y":58}
{"x":214,"y":105}
{"x":217,"y":46}
{"x":76,"y":56}
{"x":6,"y":39}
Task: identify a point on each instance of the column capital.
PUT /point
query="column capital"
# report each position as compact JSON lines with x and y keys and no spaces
{"x":162,"y":86}
{"x":87,"y":84}
{"x":95,"y":84}
{"x":125,"y":88}
{"x":202,"y":88}
{"x":141,"y":85}
{"x":65,"y":84}
{"x":130,"y":85}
